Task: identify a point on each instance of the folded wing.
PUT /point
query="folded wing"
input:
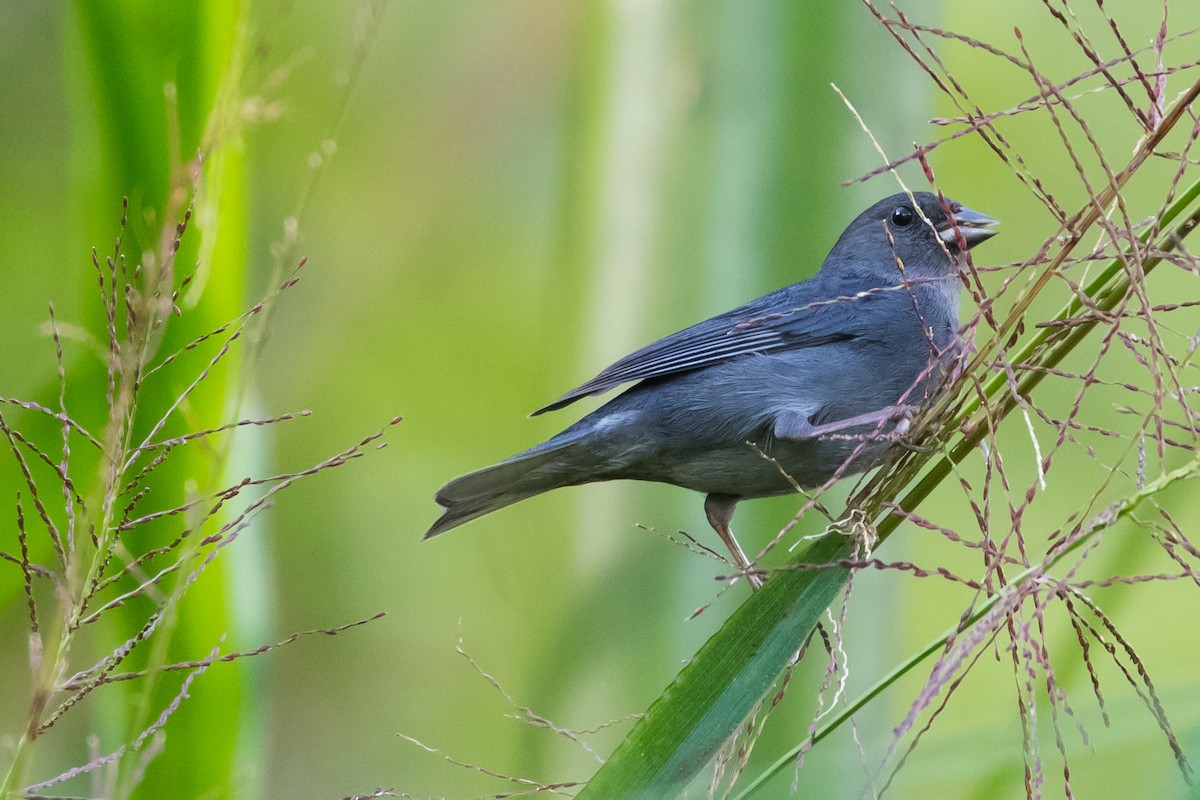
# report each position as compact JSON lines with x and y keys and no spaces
{"x":776,"y":322}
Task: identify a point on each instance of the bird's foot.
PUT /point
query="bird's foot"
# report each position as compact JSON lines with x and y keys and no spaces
{"x":889,"y":421}
{"x":859,"y":529}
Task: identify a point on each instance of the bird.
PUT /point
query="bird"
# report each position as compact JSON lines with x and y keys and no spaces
{"x":811,"y":382}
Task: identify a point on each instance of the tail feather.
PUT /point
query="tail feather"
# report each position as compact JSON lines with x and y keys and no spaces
{"x":540,"y":469}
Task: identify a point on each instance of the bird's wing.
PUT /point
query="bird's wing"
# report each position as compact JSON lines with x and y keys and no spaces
{"x":773,"y":323}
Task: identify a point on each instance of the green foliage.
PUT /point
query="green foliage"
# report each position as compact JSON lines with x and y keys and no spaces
{"x":698,"y":713}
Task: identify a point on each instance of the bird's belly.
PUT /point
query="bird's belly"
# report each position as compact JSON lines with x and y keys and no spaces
{"x":753,"y":470}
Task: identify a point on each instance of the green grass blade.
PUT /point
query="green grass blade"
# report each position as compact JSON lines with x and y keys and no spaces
{"x":714,"y":693}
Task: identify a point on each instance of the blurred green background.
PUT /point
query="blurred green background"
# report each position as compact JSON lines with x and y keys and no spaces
{"x":517,"y":193}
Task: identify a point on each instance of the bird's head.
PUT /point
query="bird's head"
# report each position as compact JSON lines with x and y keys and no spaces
{"x":915,"y":232}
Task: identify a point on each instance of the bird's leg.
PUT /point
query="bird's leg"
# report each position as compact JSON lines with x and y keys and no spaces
{"x":795,"y":427}
{"x":901,"y":415}
{"x":719,"y":510}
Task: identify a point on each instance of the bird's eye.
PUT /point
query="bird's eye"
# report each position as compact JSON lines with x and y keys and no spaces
{"x":902,"y":216}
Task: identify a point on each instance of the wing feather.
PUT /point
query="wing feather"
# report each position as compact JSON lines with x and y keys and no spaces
{"x":744,"y":331}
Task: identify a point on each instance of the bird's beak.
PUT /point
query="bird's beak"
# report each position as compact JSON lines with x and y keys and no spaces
{"x":973,"y":226}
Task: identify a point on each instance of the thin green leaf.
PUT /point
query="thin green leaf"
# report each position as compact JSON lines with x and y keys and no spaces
{"x":697,"y":714}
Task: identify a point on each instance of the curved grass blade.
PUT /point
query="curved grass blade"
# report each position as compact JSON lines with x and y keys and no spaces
{"x":696,"y":715}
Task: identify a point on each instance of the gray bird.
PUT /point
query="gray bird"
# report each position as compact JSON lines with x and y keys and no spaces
{"x":812,"y":381}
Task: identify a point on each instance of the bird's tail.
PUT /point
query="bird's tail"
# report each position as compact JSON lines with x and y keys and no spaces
{"x":548,"y":466}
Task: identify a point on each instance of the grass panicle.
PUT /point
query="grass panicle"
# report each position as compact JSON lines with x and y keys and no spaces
{"x":132,"y":558}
